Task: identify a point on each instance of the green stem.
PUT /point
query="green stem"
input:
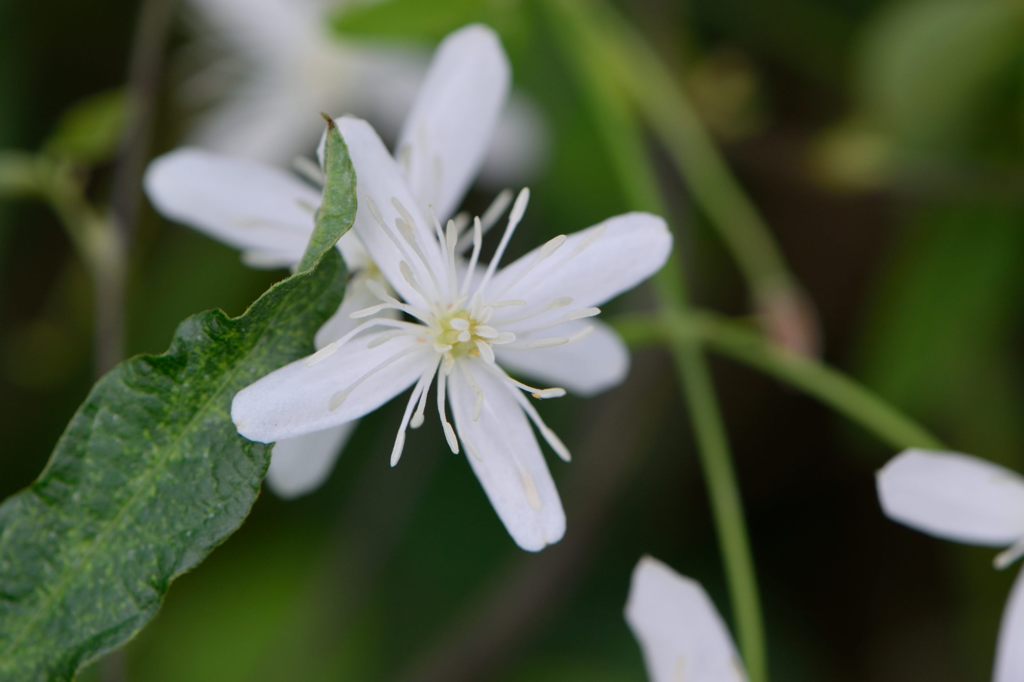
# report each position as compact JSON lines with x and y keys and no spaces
{"x":831,"y":387}
{"x":675,"y":121}
{"x":94,"y":238}
{"x":624,"y":142}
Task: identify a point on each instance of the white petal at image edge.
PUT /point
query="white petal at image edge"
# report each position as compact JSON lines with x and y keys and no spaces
{"x":505,"y":456}
{"x":1010,"y":651}
{"x":953,"y":496}
{"x":452,"y":122}
{"x":300,"y":465}
{"x":246,"y":204}
{"x":679,"y":630}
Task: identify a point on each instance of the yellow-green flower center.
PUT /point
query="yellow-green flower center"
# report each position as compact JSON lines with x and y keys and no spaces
{"x":459,"y":334}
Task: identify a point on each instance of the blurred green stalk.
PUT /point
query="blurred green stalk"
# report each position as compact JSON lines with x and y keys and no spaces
{"x":93,"y":235}
{"x":571,"y":21}
{"x":745,"y":345}
{"x":631,"y":62}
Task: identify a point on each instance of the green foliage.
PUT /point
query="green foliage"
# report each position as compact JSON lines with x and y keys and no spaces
{"x":943,"y":311}
{"x":415,"y":18}
{"x":150,"y":474}
{"x":90,"y":131}
{"x":18,"y":174}
{"x":930,"y":68}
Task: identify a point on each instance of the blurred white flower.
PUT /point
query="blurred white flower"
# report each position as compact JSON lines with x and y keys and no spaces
{"x":464,"y":323}
{"x":264,"y":69}
{"x":680,"y":632}
{"x":269,"y":213}
{"x":965,"y":499}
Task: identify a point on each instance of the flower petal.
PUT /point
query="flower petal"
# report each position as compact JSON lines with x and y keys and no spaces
{"x":449,"y":130}
{"x":680,"y":632}
{"x":591,"y":266}
{"x":322,"y":391}
{"x":242,"y":203}
{"x":505,"y":456}
{"x":299,"y":465}
{"x":953,"y":496}
{"x":588,"y":366}
{"x":385,"y":203}
{"x":1010,"y":650}
{"x":357,"y":297}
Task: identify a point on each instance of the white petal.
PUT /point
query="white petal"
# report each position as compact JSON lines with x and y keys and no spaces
{"x":521,"y":142}
{"x":310,"y":394}
{"x":588,"y":366}
{"x":276,"y":26}
{"x":452,"y":122}
{"x":243,"y":203}
{"x":505,"y":456}
{"x":1010,"y":651}
{"x":381,"y":188}
{"x":680,"y":632}
{"x":357,"y":297}
{"x":299,"y":465}
{"x":953,"y":496}
{"x":591,"y":266}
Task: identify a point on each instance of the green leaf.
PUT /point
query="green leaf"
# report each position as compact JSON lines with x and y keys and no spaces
{"x":942,"y":323}
{"x":91,"y":130}
{"x":411,"y":18}
{"x":150,"y":474}
{"x":928,"y":69}
{"x":19,"y":174}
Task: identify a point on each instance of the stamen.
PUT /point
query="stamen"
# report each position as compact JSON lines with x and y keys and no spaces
{"x":486,"y":352}
{"x":514,"y":218}
{"x":550,"y":436}
{"x":406,"y":247}
{"x":449,"y":432}
{"x":498,"y":206}
{"x":340,"y":397}
{"x":538,"y":393}
{"x":330,"y":349}
{"x":545,"y":252}
{"x":414,"y":399}
{"x":557,"y":341}
{"x":473,"y":258}
{"x":371,"y":311}
{"x":1005,"y":558}
{"x":421,"y":408}
{"x":489,"y":218}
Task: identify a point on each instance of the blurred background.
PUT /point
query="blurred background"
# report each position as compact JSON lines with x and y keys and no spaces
{"x":882,"y":140}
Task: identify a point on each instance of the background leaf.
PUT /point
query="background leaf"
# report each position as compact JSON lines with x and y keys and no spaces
{"x":151,"y":474}
{"x":90,"y":131}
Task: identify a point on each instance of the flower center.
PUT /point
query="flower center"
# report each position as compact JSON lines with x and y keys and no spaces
{"x":459,"y":334}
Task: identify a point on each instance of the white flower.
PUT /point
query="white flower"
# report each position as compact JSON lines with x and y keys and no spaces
{"x":269,"y":66}
{"x":464,"y":324}
{"x":269,"y":214}
{"x":680,"y":633}
{"x":965,"y":499}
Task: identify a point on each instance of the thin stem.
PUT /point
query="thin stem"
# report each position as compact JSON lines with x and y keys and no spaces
{"x":100,"y":248}
{"x":624,"y":142}
{"x":675,"y":121}
{"x":830,"y":386}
